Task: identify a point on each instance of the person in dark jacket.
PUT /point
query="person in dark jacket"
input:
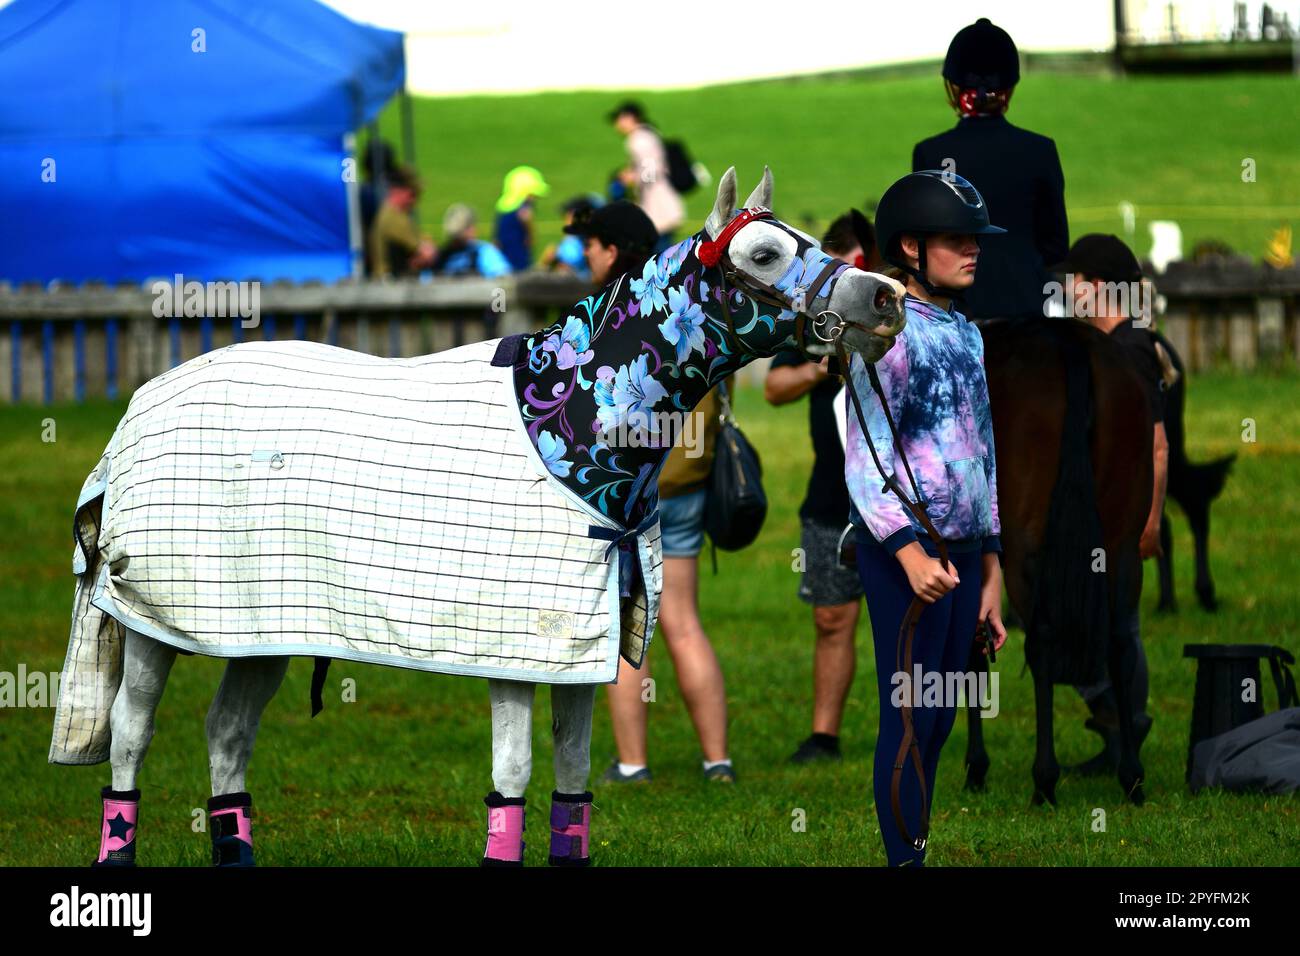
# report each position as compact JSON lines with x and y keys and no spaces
{"x":1105,"y":283}
{"x":1017,"y":172}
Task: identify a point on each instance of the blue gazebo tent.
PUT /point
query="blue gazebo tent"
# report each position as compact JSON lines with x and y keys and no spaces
{"x":144,"y":138}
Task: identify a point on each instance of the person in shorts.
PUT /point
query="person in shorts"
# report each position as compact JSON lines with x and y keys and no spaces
{"x":683,"y":494}
{"x":834,"y":591}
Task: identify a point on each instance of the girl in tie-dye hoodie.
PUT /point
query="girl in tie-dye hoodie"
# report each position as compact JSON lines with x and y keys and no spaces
{"x":927,"y":224}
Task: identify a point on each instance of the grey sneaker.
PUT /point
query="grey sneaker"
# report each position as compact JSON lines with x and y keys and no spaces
{"x":614,"y":775}
{"x":723,"y":772}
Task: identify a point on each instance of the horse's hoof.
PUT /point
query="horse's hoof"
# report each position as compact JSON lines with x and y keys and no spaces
{"x":1167,"y":607}
{"x":1208,"y":601}
{"x":1136,"y":795}
{"x":1041,"y":798}
{"x":976,"y":775}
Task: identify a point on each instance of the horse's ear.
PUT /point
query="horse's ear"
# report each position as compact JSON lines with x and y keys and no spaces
{"x":724,"y":207}
{"x":762,"y":194}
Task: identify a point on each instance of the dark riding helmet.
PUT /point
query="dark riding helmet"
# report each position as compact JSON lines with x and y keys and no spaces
{"x":982,"y":56}
{"x":928,"y":203}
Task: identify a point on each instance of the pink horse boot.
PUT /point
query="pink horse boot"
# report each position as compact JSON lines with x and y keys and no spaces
{"x":230,"y":822}
{"x":117,"y":827}
{"x":570,"y":828}
{"x":505,"y":833}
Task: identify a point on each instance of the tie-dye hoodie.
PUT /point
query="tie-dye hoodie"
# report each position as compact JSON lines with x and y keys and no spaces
{"x":933,"y":379}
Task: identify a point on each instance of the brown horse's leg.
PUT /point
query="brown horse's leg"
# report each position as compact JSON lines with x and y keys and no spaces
{"x":1046,"y":769}
{"x":977,"y":758}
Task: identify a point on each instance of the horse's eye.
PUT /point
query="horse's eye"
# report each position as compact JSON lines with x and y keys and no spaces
{"x":763,"y":256}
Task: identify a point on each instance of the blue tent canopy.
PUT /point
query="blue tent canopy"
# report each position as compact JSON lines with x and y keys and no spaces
{"x":142,"y":138}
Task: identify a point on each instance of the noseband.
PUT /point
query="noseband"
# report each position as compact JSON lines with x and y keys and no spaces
{"x":714,"y":252}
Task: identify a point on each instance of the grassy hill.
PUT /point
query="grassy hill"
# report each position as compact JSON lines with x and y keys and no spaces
{"x":1173,"y":146}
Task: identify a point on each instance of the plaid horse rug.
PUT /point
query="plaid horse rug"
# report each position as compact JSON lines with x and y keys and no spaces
{"x":292,"y":498}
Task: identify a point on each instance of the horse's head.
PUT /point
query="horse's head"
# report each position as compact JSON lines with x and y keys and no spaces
{"x":775,"y":285}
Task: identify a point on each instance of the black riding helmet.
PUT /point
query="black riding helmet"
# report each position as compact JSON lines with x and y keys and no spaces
{"x":928,"y":203}
{"x":982,"y":56}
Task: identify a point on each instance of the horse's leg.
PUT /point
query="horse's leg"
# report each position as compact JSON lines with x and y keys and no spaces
{"x":977,"y":758}
{"x":512,"y":765}
{"x":145,"y":666}
{"x":571,"y":706}
{"x":1165,"y":564}
{"x":1198,"y":516}
{"x":1046,"y":770}
{"x":246,"y":688}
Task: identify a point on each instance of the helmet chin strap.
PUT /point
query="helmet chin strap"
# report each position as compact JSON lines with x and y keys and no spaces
{"x":919,"y":274}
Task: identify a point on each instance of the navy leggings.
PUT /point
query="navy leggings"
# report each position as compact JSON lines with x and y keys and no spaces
{"x":943,"y":642}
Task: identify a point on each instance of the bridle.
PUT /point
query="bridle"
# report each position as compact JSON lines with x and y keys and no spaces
{"x":826,"y":325}
{"x":714,"y":252}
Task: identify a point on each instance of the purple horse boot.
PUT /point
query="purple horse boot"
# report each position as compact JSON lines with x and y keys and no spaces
{"x":570,"y":828}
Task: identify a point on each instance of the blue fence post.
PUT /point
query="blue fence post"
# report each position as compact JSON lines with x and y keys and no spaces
{"x":174,"y":333}
{"x":110,"y":358}
{"x":79,"y":360}
{"x":16,"y":337}
{"x":205,"y":335}
{"x":237,"y":330}
{"x":47,"y":359}
{"x":268,"y":328}
{"x":300,"y":326}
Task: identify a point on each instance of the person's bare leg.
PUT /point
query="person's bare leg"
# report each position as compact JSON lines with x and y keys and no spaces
{"x":698,"y":673}
{"x":627,"y":710}
{"x":834,"y":662}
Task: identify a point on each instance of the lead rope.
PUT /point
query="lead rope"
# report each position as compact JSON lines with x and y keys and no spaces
{"x":907,"y":630}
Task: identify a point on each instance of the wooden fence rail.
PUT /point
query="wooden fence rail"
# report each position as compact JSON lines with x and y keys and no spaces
{"x":73,"y":343}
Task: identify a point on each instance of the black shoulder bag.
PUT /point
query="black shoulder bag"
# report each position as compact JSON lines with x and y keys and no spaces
{"x":736,"y":505}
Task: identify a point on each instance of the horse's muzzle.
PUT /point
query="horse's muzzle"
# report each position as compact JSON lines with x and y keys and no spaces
{"x":871,"y":309}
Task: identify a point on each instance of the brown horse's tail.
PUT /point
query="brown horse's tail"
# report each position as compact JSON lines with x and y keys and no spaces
{"x":1066,"y":636}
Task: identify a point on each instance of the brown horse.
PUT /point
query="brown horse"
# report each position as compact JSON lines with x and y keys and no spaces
{"x":1073,"y":437}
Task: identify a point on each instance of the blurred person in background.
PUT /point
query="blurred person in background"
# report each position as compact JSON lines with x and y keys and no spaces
{"x":378,"y":161}
{"x":834,"y":591}
{"x":618,"y":238}
{"x":514,"y":215}
{"x":569,"y":256}
{"x":647,"y":172}
{"x":1017,"y":172}
{"x":394,"y":245}
{"x":462,"y":252}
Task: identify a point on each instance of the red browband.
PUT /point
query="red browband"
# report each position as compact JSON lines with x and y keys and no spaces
{"x":711,"y":251}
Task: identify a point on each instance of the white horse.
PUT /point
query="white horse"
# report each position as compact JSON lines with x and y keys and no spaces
{"x":741,"y":288}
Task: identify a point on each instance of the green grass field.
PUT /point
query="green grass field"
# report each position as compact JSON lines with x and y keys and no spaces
{"x":1172,"y":146}
{"x":398,"y":776}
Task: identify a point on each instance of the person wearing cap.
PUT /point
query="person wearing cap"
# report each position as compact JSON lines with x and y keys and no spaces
{"x":514,"y":215}
{"x":394,"y":245}
{"x":1104,"y":282}
{"x":833,"y":591}
{"x":931,"y":226}
{"x":647,"y":172}
{"x":1017,"y":172}
{"x":462,"y":252}
{"x":618,"y":238}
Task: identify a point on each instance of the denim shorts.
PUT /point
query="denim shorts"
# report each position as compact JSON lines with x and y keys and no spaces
{"x":681,"y":524}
